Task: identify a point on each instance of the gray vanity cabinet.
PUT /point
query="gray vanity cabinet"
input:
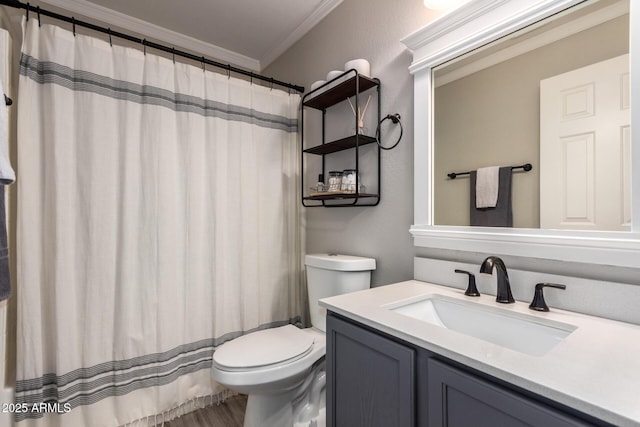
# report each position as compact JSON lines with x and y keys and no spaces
{"x":377,"y":380}
{"x":370,"y":379}
{"x":460,"y":399}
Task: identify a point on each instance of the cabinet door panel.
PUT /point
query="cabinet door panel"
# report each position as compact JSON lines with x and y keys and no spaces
{"x":459,"y":399}
{"x":370,"y":379}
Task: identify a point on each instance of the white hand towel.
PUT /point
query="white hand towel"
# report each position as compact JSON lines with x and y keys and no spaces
{"x":487,"y":184}
{"x":7,"y":176}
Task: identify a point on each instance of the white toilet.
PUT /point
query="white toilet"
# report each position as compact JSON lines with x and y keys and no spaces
{"x":282,"y":369}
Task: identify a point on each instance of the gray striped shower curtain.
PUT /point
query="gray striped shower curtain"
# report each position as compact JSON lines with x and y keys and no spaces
{"x":158,"y":216}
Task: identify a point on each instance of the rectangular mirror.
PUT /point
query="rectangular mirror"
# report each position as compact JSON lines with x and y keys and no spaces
{"x":482,"y":78}
{"x":555,"y":95}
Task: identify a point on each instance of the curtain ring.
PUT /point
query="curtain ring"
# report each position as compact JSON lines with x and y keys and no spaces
{"x":73,"y":23}
{"x":28,"y":6}
{"x":38,"y":11}
{"x":228,"y":71}
{"x":144,"y":46}
{"x":251,"y":78}
{"x":173,"y":52}
{"x":110,"y":41}
{"x":271,"y":83}
{"x":203,"y":64}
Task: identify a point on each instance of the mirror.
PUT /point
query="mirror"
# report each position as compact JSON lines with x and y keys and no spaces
{"x":554,"y":94}
{"x":476,"y":27}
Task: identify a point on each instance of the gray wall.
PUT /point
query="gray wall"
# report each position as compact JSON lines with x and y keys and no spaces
{"x":369,"y":29}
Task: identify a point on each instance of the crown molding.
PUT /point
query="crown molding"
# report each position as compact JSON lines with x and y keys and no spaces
{"x":152,"y":31}
{"x":325,"y":8}
{"x":454,"y":19}
{"x":473,"y":25}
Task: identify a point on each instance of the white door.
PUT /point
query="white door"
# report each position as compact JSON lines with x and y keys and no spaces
{"x":585,"y":148}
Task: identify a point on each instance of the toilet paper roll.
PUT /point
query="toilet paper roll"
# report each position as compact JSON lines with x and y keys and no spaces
{"x":360,"y":65}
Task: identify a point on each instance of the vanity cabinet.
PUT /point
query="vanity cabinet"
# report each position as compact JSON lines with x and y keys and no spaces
{"x":377,"y":380}
{"x":371,"y":379}
{"x":460,"y":399}
{"x":336,"y":91}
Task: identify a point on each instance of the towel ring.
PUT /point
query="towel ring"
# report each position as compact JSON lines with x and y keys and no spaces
{"x":395,"y":118}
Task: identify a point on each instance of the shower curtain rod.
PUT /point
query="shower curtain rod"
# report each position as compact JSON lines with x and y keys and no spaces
{"x":145,"y":43}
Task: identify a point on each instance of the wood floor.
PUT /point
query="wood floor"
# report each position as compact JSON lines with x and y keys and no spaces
{"x":227,"y":414}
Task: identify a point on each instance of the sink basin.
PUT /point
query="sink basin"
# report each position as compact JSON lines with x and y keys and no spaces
{"x":520,"y":332}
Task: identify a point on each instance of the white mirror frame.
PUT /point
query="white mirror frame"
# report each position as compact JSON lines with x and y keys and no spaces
{"x":473,"y":25}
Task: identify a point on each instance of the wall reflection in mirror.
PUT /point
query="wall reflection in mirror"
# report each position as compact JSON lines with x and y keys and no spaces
{"x":555,"y":95}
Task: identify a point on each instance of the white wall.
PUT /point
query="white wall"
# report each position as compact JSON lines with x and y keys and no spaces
{"x":369,"y":29}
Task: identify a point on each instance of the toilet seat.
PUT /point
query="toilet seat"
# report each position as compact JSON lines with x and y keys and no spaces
{"x":269,"y":347}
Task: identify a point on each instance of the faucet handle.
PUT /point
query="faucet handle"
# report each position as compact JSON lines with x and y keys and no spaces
{"x":471,"y":291}
{"x":538,"y":302}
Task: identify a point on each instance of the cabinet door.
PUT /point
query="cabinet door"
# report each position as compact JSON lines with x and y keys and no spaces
{"x":460,"y":399}
{"x":370,"y":379}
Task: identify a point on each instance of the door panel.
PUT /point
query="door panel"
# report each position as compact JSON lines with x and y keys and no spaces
{"x":584,"y":148}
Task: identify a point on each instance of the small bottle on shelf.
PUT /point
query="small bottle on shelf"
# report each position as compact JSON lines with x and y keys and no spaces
{"x":320,"y":184}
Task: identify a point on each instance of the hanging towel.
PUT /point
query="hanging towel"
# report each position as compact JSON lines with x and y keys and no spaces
{"x":5,"y":277}
{"x":499,"y":216}
{"x":487,"y":181}
{"x":7,"y":176}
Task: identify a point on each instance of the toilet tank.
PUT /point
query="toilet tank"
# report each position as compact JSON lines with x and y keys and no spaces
{"x":331,"y":274}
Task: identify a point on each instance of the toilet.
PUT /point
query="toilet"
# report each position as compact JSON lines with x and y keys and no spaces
{"x":282,"y":369}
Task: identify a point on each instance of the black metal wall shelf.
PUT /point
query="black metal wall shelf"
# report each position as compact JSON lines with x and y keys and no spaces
{"x":343,"y":87}
{"x":340,"y":92}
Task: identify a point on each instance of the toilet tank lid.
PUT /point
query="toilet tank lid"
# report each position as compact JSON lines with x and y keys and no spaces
{"x":340,"y":262}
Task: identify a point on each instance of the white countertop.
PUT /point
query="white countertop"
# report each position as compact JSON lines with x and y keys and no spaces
{"x":595,"y":370}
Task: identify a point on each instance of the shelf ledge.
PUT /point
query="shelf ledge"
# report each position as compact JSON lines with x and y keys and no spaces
{"x":341,"y":144}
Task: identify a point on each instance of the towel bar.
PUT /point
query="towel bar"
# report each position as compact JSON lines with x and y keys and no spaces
{"x":527,"y":167}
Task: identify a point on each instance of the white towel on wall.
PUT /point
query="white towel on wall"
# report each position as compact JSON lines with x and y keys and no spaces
{"x":7,"y":176}
{"x":487,"y":184}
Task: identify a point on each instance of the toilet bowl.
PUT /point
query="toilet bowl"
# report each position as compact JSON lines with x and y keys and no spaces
{"x":282,"y":369}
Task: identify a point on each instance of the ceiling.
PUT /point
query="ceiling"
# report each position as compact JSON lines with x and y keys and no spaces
{"x":246,"y":33}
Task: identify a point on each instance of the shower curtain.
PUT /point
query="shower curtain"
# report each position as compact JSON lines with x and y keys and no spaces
{"x":158,"y":216}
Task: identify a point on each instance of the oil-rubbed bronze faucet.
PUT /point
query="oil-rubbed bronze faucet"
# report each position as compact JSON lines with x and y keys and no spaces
{"x":472,"y":290}
{"x":538,"y":302}
{"x":503,"y":295}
